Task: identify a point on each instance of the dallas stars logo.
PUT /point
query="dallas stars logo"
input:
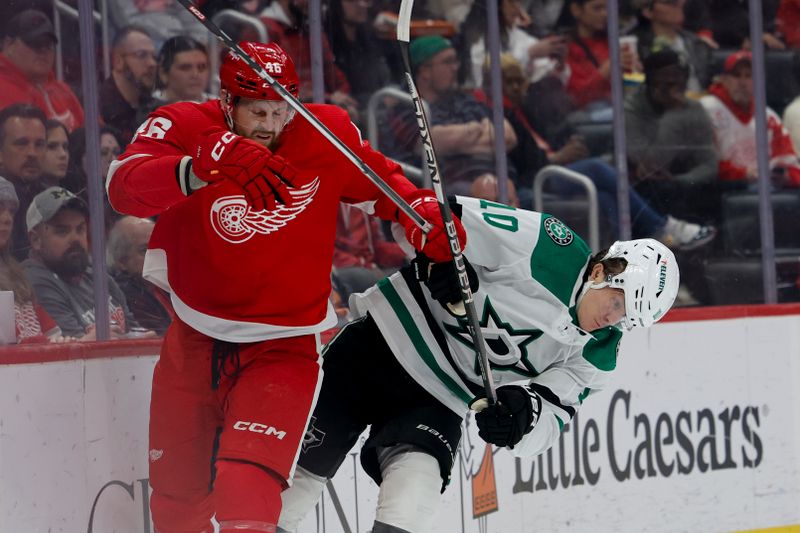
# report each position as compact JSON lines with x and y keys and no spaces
{"x":506,"y":346}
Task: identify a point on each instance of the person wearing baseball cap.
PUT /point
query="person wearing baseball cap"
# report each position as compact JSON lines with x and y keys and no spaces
{"x":59,"y":268}
{"x":729,"y":104}
{"x":27,"y":57}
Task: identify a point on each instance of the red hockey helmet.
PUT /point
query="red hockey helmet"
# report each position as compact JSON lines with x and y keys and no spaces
{"x":239,"y":79}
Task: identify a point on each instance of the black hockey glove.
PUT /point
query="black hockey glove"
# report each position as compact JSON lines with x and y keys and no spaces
{"x":511,"y":418}
{"x":442,"y":280}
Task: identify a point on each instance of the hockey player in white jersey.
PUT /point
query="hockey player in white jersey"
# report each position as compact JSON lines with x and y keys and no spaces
{"x":552,"y":316}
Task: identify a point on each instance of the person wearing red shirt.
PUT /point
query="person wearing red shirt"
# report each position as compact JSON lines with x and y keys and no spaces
{"x":26,"y":70}
{"x":247,"y":195}
{"x":587,"y":55}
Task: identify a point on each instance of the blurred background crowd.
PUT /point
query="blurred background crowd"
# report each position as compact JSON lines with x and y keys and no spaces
{"x":688,"y":112}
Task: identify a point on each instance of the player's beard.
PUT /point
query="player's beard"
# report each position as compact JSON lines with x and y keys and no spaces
{"x":71,"y":264}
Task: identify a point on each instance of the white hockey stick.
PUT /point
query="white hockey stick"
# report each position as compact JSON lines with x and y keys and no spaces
{"x":293,"y":102}
{"x":473,"y":324}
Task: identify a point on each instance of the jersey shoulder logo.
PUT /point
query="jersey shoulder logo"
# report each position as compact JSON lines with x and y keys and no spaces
{"x":558,"y":231}
{"x":234,"y":221}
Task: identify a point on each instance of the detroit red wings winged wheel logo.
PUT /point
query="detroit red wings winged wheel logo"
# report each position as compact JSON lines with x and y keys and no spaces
{"x":235,"y":222}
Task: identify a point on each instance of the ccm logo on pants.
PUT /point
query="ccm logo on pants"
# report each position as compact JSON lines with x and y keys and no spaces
{"x":255,"y":427}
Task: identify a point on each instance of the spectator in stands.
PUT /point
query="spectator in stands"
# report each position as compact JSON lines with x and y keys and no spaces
{"x":126,"y":96}
{"x":22,"y":146}
{"x":127,"y":244}
{"x":26,"y":69}
{"x":163,"y":18}
{"x":33,"y":324}
{"x":663,"y":28}
{"x":182,"y":71}
{"x":56,"y":154}
{"x":533,"y":152}
{"x":588,"y":55}
{"x":362,"y":255}
{"x":725,"y":23}
{"x":788,"y":22}
{"x":461,"y":126}
{"x":59,"y":268}
{"x":76,"y":180}
{"x":540,"y":57}
{"x":355,"y":47}
{"x":487,"y":187}
{"x":670,"y":141}
{"x":730,"y":107}
{"x":287,"y":26}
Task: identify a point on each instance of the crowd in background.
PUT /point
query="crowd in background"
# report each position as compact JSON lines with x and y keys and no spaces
{"x":689,"y":117}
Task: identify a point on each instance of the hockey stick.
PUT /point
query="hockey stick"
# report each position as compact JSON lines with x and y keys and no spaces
{"x":473,"y":324}
{"x":295,"y":104}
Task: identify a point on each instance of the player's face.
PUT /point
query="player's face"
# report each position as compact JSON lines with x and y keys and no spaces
{"x":62,"y":242}
{"x":187,"y":78}
{"x":600,"y":308}
{"x":261,"y":120}
{"x":56,"y":154}
{"x":23,"y":148}
{"x":7,"y":212}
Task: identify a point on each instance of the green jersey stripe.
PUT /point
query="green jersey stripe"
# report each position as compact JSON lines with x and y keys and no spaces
{"x":415,"y":336}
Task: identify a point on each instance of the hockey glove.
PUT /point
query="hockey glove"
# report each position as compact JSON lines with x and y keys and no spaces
{"x":264,"y":177}
{"x":435,"y":244}
{"x":442,"y":279}
{"x":511,"y":418}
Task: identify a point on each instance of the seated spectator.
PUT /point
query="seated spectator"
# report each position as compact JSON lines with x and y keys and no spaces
{"x":76,"y":180}
{"x":182,"y":71}
{"x":461,"y":127}
{"x":56,"y":154}
{"x":588,"y":55}
{"x":59,"y":269}
{"x":532,"y":153}
{"x":126,"y":95}
{"x":22,"y":147}
{"x":362,"y":255}
{"x":26,"y":69}
{"x":356,"y":49}
{"x":788,"y":22}
{"x":287,"y":26}
{"x":539,"y":57}
{"x":726,"y":23}
{"x":670,"y":141}
{"x":486,"y":187}
{"x":33,"y":324}
{"x":164,"y":18}
{"x":127,"y":244}
{"x":730,"y":107}
{"x":663,"y":28}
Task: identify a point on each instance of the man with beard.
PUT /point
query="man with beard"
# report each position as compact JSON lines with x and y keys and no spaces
{"x":22,"y":146}
{"x":59,"y":270}
{"x":126,"y":96}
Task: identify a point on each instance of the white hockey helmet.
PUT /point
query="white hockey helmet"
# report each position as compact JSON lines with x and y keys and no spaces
{"x":650,"y":280}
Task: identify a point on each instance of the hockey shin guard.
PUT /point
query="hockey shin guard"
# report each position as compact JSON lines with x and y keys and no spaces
{"x":299,"y":498}
{"x":247,"y":498}
{"x":410,"y":492}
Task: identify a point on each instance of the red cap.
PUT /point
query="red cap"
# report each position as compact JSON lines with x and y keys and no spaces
{"x":735,"y":58}
{"x":239,"y":79}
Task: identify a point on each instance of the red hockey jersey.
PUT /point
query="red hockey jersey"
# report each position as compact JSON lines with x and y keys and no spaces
{"x":235,"y":274}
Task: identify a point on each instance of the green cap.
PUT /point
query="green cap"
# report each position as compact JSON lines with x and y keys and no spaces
{"x":426,"y":47}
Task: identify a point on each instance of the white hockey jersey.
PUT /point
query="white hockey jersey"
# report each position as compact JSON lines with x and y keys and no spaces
{"x":531,"y":268}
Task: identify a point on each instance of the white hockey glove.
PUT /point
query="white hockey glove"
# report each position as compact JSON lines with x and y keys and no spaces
{"x":513,"y":416}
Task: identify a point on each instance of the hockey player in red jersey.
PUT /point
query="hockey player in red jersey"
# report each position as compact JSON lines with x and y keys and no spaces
{"x":247,"y":195}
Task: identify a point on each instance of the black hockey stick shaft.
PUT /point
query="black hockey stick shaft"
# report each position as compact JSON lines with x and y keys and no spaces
{"x":305,"y":113}
{"x":473,"y":324}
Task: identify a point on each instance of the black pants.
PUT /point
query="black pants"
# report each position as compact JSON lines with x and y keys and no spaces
{"x":364,"y":385}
